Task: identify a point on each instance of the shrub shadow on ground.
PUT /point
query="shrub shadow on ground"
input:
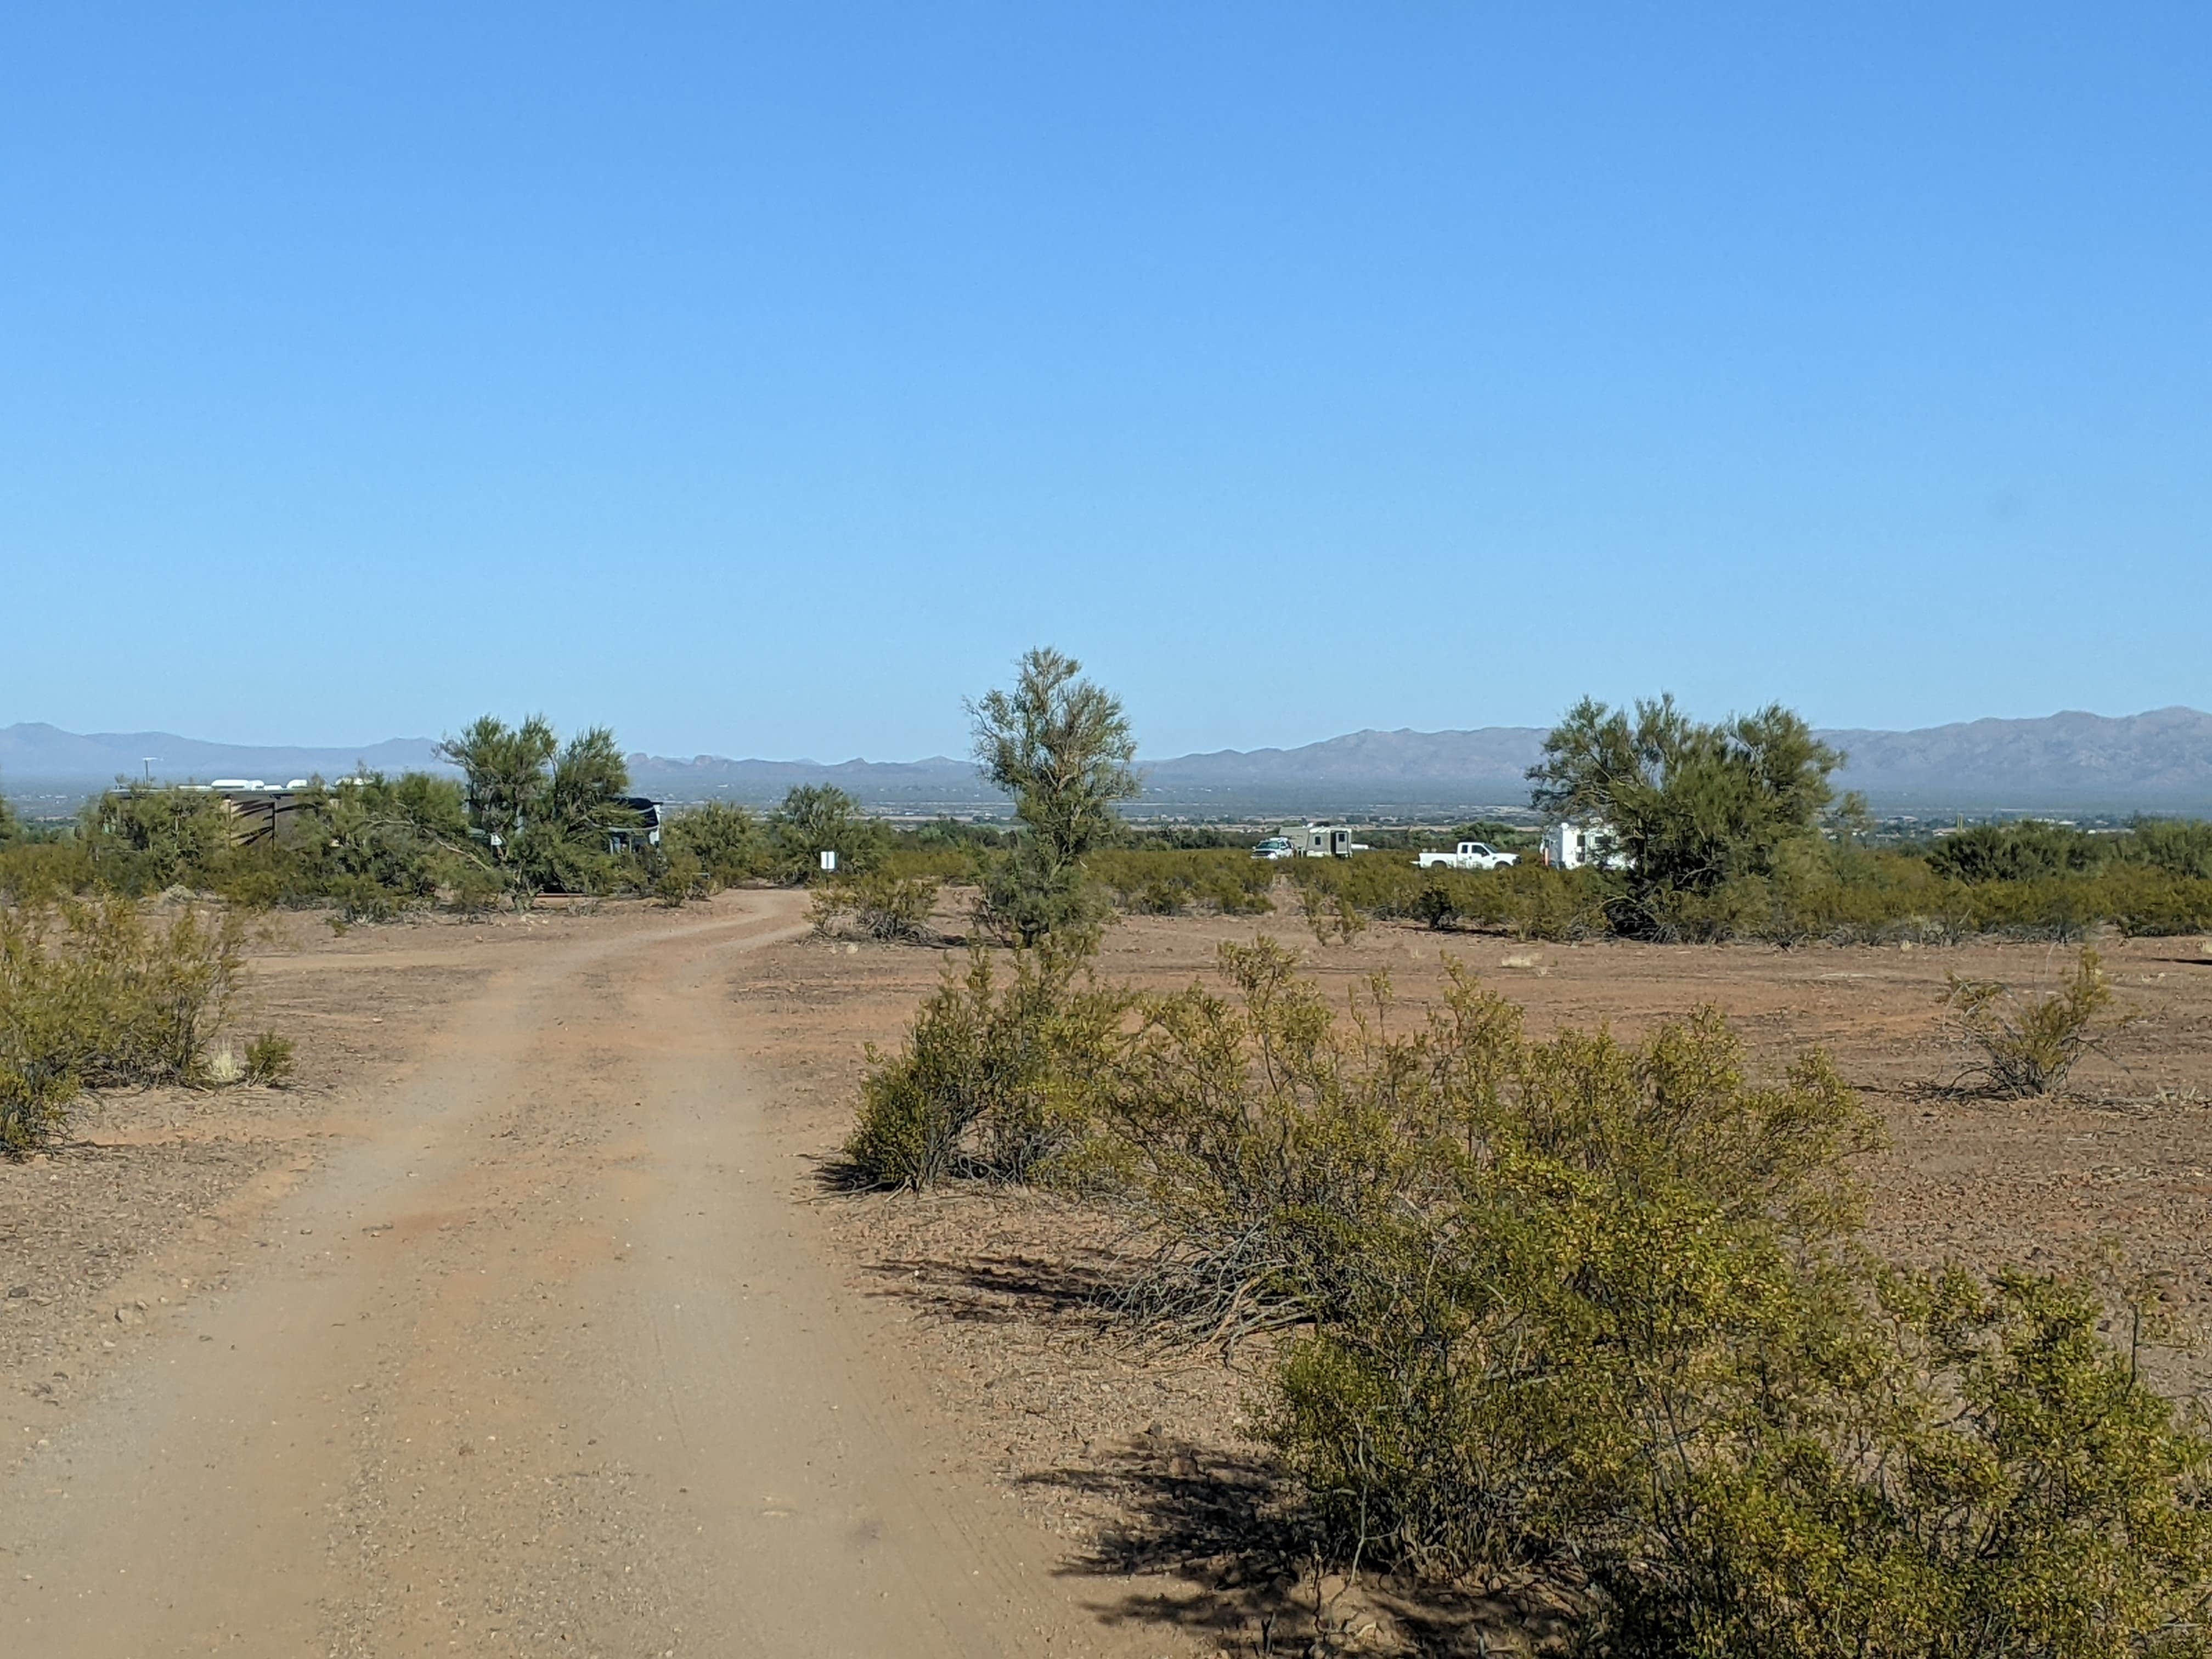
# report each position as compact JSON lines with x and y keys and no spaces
{"x":1248,"y":1579}
{"x":1006,"y":1288}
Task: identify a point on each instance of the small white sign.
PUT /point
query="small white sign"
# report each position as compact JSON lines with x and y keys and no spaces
{"x":829,"y":860}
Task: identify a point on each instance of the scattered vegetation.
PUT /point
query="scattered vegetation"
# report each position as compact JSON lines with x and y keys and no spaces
{"x":1823,"y":890}
{"x":1584,"y":1307}
{"x":1728,"y":830}
{"x":528,"y":815}
{"x":2027,"y":1046}
{"x":1165,"y":881}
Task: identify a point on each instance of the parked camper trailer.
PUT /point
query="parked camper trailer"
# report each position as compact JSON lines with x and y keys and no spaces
{"x":1572,"y":846}
{"x":1327,"y":841}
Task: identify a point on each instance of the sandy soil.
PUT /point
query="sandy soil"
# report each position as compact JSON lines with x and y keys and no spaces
{"x":525,"y":1322}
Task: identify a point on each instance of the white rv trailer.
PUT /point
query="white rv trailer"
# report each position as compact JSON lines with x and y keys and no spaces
{"x":1325,"y":841}
{"x":1572,"y":846}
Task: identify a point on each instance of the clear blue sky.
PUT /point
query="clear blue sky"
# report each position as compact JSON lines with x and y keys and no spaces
{"x":762,"y":381}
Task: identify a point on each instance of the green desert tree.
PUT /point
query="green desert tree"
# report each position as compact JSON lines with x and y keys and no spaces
{"x":725,"y":839}
{"x":1693,"y":806}
{"x":1060,"y":746}
{"x":503,"y":769}
{"x":816,"y":819}
{"x":386,"y":843}
{"x":544,"y":808}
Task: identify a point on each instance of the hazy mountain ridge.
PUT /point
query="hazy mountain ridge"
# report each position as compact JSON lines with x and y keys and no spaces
{"x":48,"y":754}
{"x":1491,"y":758}
{"x":2157,"y":761}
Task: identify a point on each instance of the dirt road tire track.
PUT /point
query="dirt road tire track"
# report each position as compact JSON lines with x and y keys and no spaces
{"x":546,"y":1364}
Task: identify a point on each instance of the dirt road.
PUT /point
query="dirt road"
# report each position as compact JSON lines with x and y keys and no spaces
{"x":542,"y":1360}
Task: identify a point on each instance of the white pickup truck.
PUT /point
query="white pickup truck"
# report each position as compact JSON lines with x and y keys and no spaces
{"x":1471,"y":855}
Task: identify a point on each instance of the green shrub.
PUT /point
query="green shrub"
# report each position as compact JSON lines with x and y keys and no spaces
{"x":940,"y":864}
{"x":727,"y":839}
{"x":2147,"y":902}
{"x":2023,"y":851}
{"x":815,"y":819}
{"x":1814,"y":889}
{"x":97,"y":995}
{"x":993,"y":1081}
{"x":386,"y":845}
{"x":1526,"y":899}
{"x":2177,"y":846}
{"x":1584,"y":1300}
{"x":2028,"y":1047}
{"x":269,"y":1060}
{"x":376,"y":845}
{"x":144,"y":839}
{"x":1333,"y":917}
{"x":49,"y":1022}
{"x":1997,"y":1481}
{"x":952,"y":836}
{"x":882,"y":906}
{"x":1026,"y":898}
{"x":33,"y":873}
{"x":674,"y":877}
{"x":1168,"y":881}
{"x":1267,"y":1142}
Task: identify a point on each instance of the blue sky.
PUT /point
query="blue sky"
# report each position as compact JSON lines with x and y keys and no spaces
{"x":762,"y":381}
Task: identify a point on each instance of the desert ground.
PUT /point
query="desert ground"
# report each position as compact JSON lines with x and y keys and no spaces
{"x":528,"y":1320}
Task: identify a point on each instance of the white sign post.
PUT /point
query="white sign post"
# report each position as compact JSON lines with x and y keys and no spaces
{"x":829,"y":860}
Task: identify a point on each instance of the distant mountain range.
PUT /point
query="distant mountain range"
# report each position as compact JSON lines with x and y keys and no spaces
{"x":2156,"y":762}
{"x":37,"y":753}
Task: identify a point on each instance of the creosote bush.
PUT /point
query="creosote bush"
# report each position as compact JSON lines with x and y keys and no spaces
{"x":2029,"y":1046}
{"x":880,"y":906}
{"x":100,"y":994}
{"x":993,"y":1079}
